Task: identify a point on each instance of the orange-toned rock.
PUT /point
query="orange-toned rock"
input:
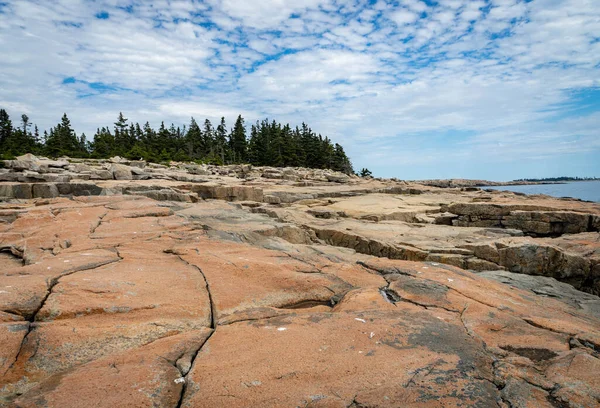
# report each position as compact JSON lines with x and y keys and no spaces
{"x":126,"y":301}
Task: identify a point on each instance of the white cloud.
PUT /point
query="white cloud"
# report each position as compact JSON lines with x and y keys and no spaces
{"x":404,"y":16}
{"x":373,"y":77}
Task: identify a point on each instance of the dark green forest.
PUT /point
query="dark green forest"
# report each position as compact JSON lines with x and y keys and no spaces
{"x":269,"y":143}
{"x":559,"y":179}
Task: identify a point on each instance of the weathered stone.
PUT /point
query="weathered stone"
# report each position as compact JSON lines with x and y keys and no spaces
{"x":118,"y":159}
{"x":140,"y":164}
{"x":546,"y":223}
{"x":16,"y":190}
{"x":101,"y":175}
{"x":271,"y":199}
{"x":595,"y":221}
{"x":59,"y":164}
{"x":45,"y":190}
{"x":121,"y":172}
{"x":186,"y":300}
{"x":165,"y":195}
{"x":337,"y":178}
{"x":81,"y":189}
{"x":81,"y":167}
{"x":19,"y":165}
{"x":137,"y":171}
{"x":229,"y":193}
{"x":445,"y":219}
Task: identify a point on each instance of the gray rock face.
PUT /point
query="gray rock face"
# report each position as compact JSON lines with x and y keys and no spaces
{"x":531,"y":219}
{"x":337,"y":178}
{"x":18,"y":191}
{"x":45,"y":190}
{"x":548,"y":287}
{"x":229,"y":193}
{"x":20,"y":165}
{"x":101,"y":175}
{"x":121,"y":172}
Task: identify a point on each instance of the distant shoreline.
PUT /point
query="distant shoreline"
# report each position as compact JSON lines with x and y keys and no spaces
{"x":447,"y":183}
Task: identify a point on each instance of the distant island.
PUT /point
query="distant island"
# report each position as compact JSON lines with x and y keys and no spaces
{"x":445,"y":183}
{"x":557,"y":179}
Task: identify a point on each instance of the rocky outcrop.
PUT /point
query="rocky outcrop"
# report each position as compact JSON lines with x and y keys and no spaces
{"x":179,"y":281}
{"x":228,"y":193}
{"x":185,"y":302}
{"x":531,"y":219}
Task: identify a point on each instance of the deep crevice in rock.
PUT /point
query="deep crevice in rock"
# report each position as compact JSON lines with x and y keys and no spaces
{"x":213,"y":326}
{"x":31,"y":318}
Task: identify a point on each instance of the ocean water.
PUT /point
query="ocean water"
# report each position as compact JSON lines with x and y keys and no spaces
{"x":584,"y":190}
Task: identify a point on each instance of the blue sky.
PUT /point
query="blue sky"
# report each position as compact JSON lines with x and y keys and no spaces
{"x":496,"y":89}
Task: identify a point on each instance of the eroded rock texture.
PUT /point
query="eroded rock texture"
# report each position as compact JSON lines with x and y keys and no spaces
{"x":130,"y":284}
{"x":127,"y":301}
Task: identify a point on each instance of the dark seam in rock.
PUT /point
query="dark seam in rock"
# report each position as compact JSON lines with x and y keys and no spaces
{"x":53,"y":282}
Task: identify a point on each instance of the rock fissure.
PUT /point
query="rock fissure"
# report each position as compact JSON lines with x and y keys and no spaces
{"x":185,"y":375}
{"x":324,"y":310}
{"x":96,"y":225}
{"x":213,"y":326}
{"x":31,"y":318}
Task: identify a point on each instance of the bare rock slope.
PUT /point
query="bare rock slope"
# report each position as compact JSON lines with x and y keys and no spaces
{"x":243,"y":290}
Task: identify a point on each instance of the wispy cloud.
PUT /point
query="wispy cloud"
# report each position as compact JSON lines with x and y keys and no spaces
{"x":411,"y":88}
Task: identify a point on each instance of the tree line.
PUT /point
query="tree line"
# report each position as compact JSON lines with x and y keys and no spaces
{"x":269,"y":144}
{"x":559,"y":179}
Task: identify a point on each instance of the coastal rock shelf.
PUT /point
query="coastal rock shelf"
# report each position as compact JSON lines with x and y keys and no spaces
{"x":291,"y":289}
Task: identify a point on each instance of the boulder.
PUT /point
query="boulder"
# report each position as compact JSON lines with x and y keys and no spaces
{"x":16,"y":190}
{"x":28,"y":157}
{"x":229,"y":193}
{"x":101,"y":175}
{"x":544,"y":260}
{"x":595,"y":221}
{"x":81,"y":167}
{"x":20,"y":165}
{"x":54,"y":163}
{"x":121,"y":172}
{"x":337,"y":178}
{"x":271,"y":199}
{"x":545,"y":223}
{"x":117,"y":159}
{"x":9,"y":176}
{"x":136,"y":171}
{"x":141,"y":164}
{"x":45,"y":190}
{"x":79,"y":189}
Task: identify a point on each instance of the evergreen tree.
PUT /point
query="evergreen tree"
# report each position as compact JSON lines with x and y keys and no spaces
{"x":26,"y":124}
{"x":237,"y":141}
{"x":221,"y":141}
{"x":269,"y":143}
{"x":63,"y":141}
{"x":5,"y":130}
{"x":122,"y":143}
{"x":194,"y":141}
{"x":103,"y":143}
{"x":208,"y":138}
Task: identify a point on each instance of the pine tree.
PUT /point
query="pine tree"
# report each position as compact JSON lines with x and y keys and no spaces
{"x":122,"y":140}
{"x":193,"y":141}
{"x":208,"y":138}
{"x":63,"y":141}
{"x":221,"y":141}
{"x":103,"y":143}
{"x":269,"y":143}
{"x":5,"y":131}
{"x":237,"y":140}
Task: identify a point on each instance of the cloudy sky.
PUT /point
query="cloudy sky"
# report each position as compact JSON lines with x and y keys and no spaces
{"x":495,"y":89}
